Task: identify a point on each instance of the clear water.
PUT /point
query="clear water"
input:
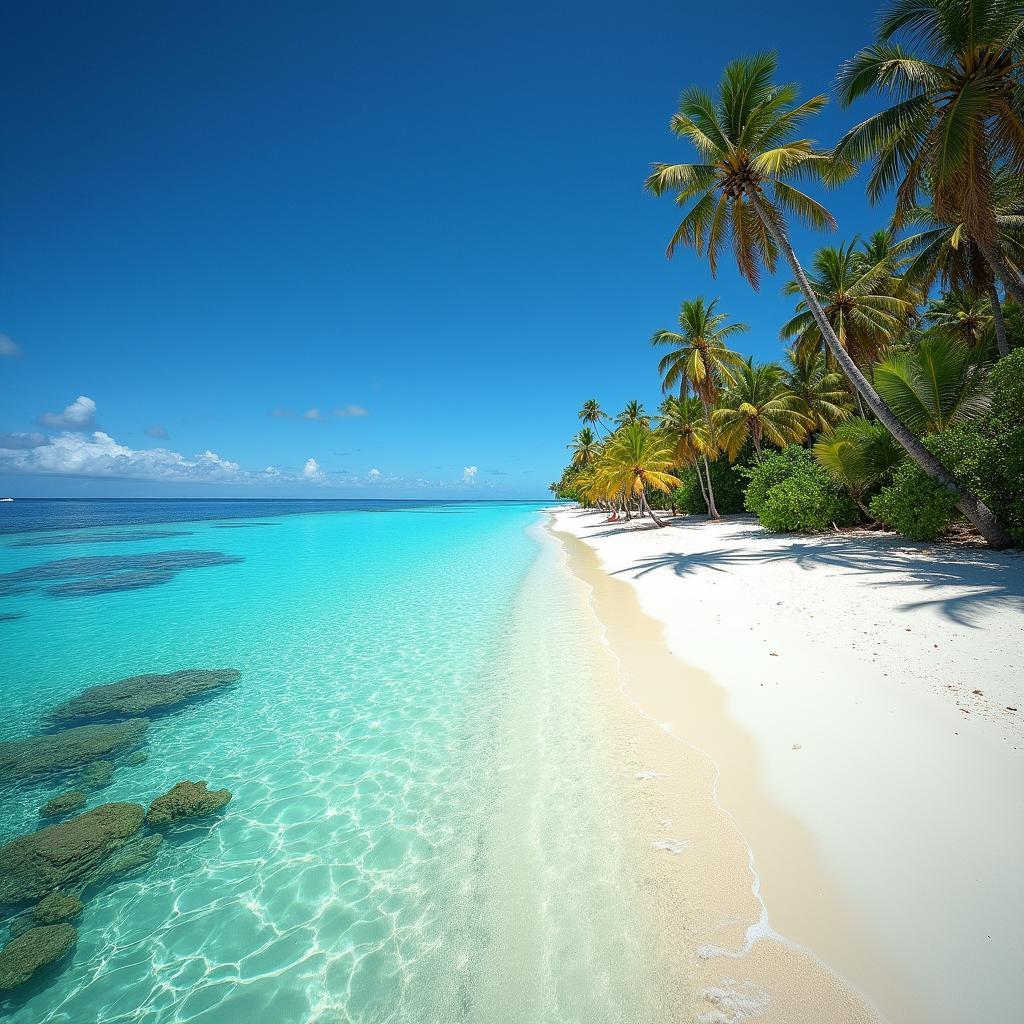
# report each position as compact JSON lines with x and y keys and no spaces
{"x":424,"y":825}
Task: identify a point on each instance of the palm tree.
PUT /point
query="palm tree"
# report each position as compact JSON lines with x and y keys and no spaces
{"x":958,"y":114}
{"x":935,"y":385}
{"x":592,"y":414}
{"x":684,"y":421}
{"x":757,"y":406}
{"x":857,"y":298}
{"x":743,"y":189}
{"x":943,"y":250}
{"x":961,"y":313}
{"x":859,"y":455}
{"x":634,"y":459}
{"x":823,"y":394}
{"x":585,"y":447}
{"x":699,"y":359}
{"x":633,"y":413}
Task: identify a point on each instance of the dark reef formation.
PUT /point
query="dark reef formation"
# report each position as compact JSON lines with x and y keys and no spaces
{"x":33,"y":949}
{"x":68,"y":749}
{"x":61,"y":855}
{"x":97,"y":775}
{"x":101,"y":574}
{"x":141,"y":695}
{"x":186,"y":800}
{"x":58,"y":906}
{"x":63,"y":804}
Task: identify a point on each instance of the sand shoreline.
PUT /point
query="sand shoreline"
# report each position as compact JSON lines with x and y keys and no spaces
{"x":819,"y":751}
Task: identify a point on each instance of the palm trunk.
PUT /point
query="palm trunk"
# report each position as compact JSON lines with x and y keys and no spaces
{"x":983,"y":518}
{"x":700,"y":480}
{"x":710,"y":496}
{"x":997,"y":319}
{"x":650,"y":511}
{"x":994,"y":255}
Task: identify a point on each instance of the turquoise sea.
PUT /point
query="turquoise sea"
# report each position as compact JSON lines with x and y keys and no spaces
{"x":425,"y":825}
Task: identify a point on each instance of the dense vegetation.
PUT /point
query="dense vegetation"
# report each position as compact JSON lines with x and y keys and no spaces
{"x":900,"y":401}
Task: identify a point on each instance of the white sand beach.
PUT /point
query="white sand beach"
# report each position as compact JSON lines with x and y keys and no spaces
{"x":861,"y":700}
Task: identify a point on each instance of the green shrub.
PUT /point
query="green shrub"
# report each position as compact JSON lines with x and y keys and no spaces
{"x":789,"y":492}
{"x":729,"y":483}
{"x":914,"y":504}
{"x":1003,"y":464}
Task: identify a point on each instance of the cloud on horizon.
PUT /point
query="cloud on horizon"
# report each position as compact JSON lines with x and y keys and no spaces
{"x":79,"y":415}
{"x":76,"y":453}
{"x":351,"y":410}
{"x":8,"y":350}
{"x":16,"y":441}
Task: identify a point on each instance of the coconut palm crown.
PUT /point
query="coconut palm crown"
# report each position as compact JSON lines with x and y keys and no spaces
{"x":959,"y":110}
{"x":746,"y":137}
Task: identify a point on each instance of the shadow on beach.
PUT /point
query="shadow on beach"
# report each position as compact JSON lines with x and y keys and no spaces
{"x":963,"y":583}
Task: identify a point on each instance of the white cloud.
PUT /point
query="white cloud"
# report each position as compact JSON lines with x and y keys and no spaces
{"x":157,"y":430}
{"x":469,"y":474}
{"x":312,"y":471}
{"x":374,"y":474}
{"x":8,"y":349}
{"x":79,"y":415}
{"x":22,"y":440}
{"x":282,"y":414}
{"x":99,"y":455}
{"x":352,"y":410}
{"x":312,"y":414}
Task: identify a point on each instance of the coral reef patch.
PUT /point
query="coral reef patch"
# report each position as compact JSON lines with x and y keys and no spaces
{"x":68,"y":749}
{"x":141,"y":695}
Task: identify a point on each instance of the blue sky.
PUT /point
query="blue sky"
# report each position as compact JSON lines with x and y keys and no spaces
{"x":428,"y":217}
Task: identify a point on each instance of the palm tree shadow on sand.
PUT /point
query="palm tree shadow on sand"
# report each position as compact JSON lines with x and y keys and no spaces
{"x":965,"y":584}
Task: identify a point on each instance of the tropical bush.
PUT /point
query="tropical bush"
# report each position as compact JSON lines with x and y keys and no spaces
{"x":728,"y":480}
{"x":860,"y":456}
{"x":914,"y":504}
{"x":789,"y":492}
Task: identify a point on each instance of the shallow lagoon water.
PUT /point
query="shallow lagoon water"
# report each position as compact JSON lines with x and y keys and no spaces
{"x":425,"y":825}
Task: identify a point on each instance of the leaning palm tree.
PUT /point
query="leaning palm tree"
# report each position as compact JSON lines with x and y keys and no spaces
{"x":858,"y":300}
{"x":823,"y":396}
{"x":699,"y":358}
{"x":758,"y":407}
{"x":859,"y":455}
{"x":958,"y":113}
{"x":633,"y":413}
{"x":935,"y":385}
{"x":634,"y":459}
{"x":960,"y":313}
{"x":592,"y":414}
{"x":684,"y":421}
{"x":743,"y":188}
{"x":584,"y":447}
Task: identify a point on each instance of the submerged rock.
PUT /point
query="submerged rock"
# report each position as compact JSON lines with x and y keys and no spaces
{"x":98,"y":775}
{"x":34,"y":865}
{"x":58,"y":906}
{"x":67,"y":749}
{"x":139,"y":695}
{"x":186,"y":800}
{"x":135,"y":854}
{"x":63,"y":804}
{"x":136,"y":757}
{"x":36,"y":948}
